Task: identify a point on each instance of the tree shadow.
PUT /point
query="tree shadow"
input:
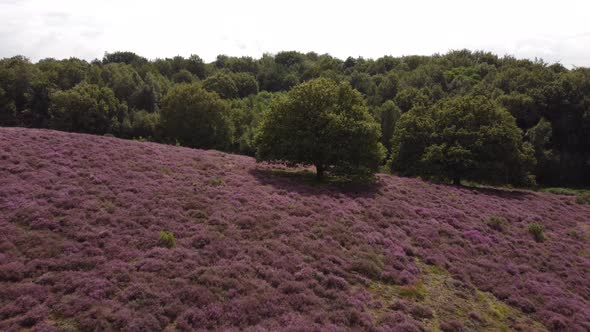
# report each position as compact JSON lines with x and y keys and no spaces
{"x":304,"y":182}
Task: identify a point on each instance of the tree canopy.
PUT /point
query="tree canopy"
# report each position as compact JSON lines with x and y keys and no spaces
{"x":324,"y":124}
{"x":195,"y":117}
{"x":467,"y":137}
{"x":88,"y":108}
{"x":549,"y":102}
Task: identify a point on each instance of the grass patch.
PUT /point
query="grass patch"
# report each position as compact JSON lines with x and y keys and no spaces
{"x":561,"y":191}
{"x":415,"y":292}
{"x":582,"y":195}
{"x":449,"y":300}
{"x":216,"y":181}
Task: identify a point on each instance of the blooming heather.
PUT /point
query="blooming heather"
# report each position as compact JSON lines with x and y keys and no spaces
{"x":81,"y":216}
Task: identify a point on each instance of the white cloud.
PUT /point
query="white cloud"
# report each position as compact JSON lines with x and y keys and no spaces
{"x":63,"y":28}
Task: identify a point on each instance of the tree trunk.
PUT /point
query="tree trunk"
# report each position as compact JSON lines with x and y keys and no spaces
{"x":457,"y":180}
{"x":319,"y":172}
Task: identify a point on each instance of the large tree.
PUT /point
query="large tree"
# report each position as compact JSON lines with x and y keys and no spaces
{"x":469,"y":137}
{"x":196,"y":117}
{"x":324,"y":124}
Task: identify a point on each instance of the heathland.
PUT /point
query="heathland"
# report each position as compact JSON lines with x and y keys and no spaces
{"x":111,"y":234}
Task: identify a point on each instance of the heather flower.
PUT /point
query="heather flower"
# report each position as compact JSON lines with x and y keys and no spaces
{"x":260,"y":252}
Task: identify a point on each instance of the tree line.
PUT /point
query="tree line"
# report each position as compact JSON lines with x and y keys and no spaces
{"x":459,"y":115}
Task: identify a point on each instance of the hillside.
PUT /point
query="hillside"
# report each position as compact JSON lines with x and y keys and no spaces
{"x":256,"y":249}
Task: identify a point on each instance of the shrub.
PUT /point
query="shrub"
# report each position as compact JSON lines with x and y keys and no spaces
{"x":216,"y":181}
{"x":497,"y":223}
{"x":167,"y":239}
{"x":419,"y":311}
{"x":416,"y":291}
{"x":583,"y":198}
{"x":367,"y":268}
{"x":452,"y":326}
{"x":537,"y":231}
{"x":369,"y":264}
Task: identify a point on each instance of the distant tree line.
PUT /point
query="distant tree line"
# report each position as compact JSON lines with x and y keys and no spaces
{"x":461,"y":115}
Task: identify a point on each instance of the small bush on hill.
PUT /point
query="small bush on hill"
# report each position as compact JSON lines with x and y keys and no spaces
{"x":368,"y":268}
{"x":416,"y":292}
{"x":583,"y":198}
{"x":497,"y":223}
{"x":216,"y":181}
{"x":167,"y":239}
{"x":537,"y":231}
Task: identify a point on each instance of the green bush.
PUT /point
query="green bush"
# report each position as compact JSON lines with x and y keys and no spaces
{"x":167,"y":239}
{"x":560,"y":191}
{"x":497,"y":223}
{"x":537,"y":231}
{"x":583,"y":198}
{"x":415,"y":291}
{"x":367,"y":268}
{"x":216,"y":181}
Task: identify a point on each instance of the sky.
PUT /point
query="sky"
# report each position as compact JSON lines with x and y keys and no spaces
{"x":555,"y":31}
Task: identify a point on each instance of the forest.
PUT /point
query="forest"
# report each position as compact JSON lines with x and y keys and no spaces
{"x":436,"y":114}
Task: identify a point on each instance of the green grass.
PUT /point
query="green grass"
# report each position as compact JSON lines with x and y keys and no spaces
{"x":560,"y":191}
{"x":450,"y":300}
{"x":582,"y":195}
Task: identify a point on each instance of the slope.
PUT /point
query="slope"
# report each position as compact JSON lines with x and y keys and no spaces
{"x":259,"y":248}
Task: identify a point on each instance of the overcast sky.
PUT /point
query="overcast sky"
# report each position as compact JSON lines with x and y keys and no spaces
{"x":557,"y":31}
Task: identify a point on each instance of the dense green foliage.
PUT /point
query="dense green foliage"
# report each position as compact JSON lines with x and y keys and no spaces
{"x":88,"y":108}
{"x":466,"y":137}
{"x":324,"y":124}
{"x":550,"y":103}
{"x":196,"y":117}
{"x":387,"y":115}
{"x":536,"y":230}
{"x":167,"y":239}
